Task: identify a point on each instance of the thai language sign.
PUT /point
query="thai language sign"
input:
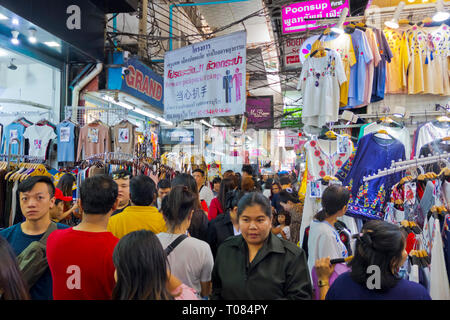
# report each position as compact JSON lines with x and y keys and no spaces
{"x":260,"y":112}
{"x":292,"y":52}
{"x":294,"y":15}
{"x":206,"y":79}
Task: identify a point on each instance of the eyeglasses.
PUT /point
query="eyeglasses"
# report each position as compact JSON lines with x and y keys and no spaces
{"x":125,"y":176}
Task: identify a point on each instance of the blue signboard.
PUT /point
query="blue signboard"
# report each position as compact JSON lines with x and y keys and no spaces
{"x":140,"y":82}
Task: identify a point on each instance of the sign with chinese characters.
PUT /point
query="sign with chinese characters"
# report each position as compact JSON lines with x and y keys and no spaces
{"x":260,"y":112}
{"x":293,"y":16}
{"x":206,"y":79}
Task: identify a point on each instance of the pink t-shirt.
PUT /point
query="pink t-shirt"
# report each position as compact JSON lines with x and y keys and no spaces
{"x":187,"y":293}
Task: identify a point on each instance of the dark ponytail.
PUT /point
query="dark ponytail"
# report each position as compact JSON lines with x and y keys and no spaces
{"x":334,"y":198}
{"x":177,"y":205}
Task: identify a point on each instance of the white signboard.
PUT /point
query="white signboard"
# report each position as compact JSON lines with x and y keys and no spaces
{"x":206,"y":79}
{"x":292,"y":52}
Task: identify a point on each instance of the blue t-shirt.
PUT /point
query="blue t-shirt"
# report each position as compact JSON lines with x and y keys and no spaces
{"x":344,"y":288}
{"x":379,"y":76}
{"x":43,"y":289}
{"x":66,"y":141}
{"x":13,"y":130}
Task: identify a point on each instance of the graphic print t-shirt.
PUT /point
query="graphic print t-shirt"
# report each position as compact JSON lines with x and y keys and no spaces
{"x":39,"y":138}
{"x":66,"y":141}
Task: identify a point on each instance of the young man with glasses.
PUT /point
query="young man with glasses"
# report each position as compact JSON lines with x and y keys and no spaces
{"x":122,"y":178}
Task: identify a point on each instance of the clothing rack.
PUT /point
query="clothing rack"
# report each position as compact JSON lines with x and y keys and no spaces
{"x":23,"y":113}
{"x":410,"y":164}
{"x":421,"y":160}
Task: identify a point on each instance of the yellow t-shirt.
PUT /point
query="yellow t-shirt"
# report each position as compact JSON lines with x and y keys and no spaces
{"x":135,"y":218}
{"x":344,"y":46}
{"x":396,"y":81}
{"x":416,"y":40}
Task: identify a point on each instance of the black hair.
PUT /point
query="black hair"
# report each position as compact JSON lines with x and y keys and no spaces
{"x":12,"y":284}
{"x":29,"y":183}
{"x":98,"y":194}
{"x":142,"y":190}
{"x":141,"y":266}
{"x":65,"y":184}
{"x":380,"y":244}
{"x":285,"y":196}
{"x":216,"y":180}
{"x":248,"y":169}
{"x":226,"y":186}
{"x":285,"y":180}
{"x":334,"y":198}
{"x":287,"y":216}
{"x":123,"y":173}
{"x":163,"y":184}
{"x":268,"y":184}
{"x":177,"y":205}
{"x":199,"y":170}
{"x":232,"y":199}
{"x":252,"y":199}
{"x":185,"y":179}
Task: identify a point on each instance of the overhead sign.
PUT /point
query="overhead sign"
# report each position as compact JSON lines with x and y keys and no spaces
{"x":177,"y":136}
{"x":291,"y":52}
{"x":260,"y":112}
{"x":293,"y":16}
{"x":140,"y":81}
{"x":293,"y":106}
{"x":206,"y":79}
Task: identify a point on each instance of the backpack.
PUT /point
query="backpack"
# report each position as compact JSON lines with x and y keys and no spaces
{"x":33,"y":259}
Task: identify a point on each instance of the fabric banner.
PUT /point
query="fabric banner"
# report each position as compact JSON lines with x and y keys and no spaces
{"x":260,"y":112}
{"x":206,"y":79}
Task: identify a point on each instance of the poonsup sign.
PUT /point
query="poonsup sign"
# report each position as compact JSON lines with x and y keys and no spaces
{"x":206,"y":79}
{"x":293,"y":15}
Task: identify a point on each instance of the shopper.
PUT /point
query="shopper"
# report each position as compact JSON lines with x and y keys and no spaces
{"x":163,"y":190}
{"x":80,"y":258}
{"x":257,"y":264}
{"x":204,"y":191}
{"x":122,"y":178}
{"x":199,"y":222}
{"x":282,"y":230}
{"x":140,"y":214}
{"x":12,"y":285}
{"x":291,"y":203}
{"x":142,"y":270}
{"x":218,"y":203}
{"x":267,"y":192}
{"x":70,"y":215}
{"x":247,"y":172}
{"x":323,"y":238}
{"x":57,"y":213}
{"x":380,"y":244}
{"x":216,"y":186}
{"x":225,"y":225}
{"x":191,"y":260}
{"x":36,"y":195}
{"x":228,"y":174}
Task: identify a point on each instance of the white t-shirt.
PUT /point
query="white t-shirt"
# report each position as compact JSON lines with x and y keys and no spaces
{"x":39,"y":138}
{"x":207,"y":195}
{"x":401,"y":134}
{"x":287,"y":232}
{"x":320,"y":82}
{"x":324,"y":241}
{"x":428,"y":133}
{"x":191,"y":261}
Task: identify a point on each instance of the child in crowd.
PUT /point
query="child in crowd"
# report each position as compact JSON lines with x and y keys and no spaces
{"x":283,"y":230}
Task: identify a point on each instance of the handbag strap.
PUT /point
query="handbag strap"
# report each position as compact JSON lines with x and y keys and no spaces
{"x":174,"y":243}
{"x":52,"y":227}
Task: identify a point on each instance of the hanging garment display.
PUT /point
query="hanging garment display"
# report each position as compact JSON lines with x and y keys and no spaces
{"x":39,"y":138}
{"x":12,"y":131}
{"x":67,"y":138}
{"x":373,"y":153}
{"x":94,"y":139}
{"x":379,"y":77}
{"x":124,"y":137}
{"x":429,"y":132}
{"x":320,"y":82}
{"x":396,"y":81}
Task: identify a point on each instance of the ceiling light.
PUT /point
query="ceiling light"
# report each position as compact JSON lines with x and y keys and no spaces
{"x":32,"y":36}
{"x":206,"y":123}
{"x":15,"y":37}
{"x":120,"y":103}
{"x":441,"y":14}
{"x":15,"y":21}
{"x":393,"y":24}
{"x":52,"y":44}
{"x":3,"y":17}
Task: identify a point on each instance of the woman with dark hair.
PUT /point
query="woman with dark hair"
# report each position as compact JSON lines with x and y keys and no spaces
{"x":292,"y":204}
{"x":257,"y":264}
{"x":226,"y":224}
{"x":191,"y":259}
{"x":380,"y":246}
{"x":323,"y":238}
{"x":12,"y":285}
{"x":142,"y":270}
{"x":70,"y":216}
{"x":199,"y":224}
{"x":218,"y":203}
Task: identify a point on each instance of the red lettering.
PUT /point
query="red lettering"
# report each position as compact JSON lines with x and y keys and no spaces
{"x":152,"y":91}
{"x":158,"y":95}
{"x":145,"y":86}
{"x":138,"y":82}
{"x":130,"y":77}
